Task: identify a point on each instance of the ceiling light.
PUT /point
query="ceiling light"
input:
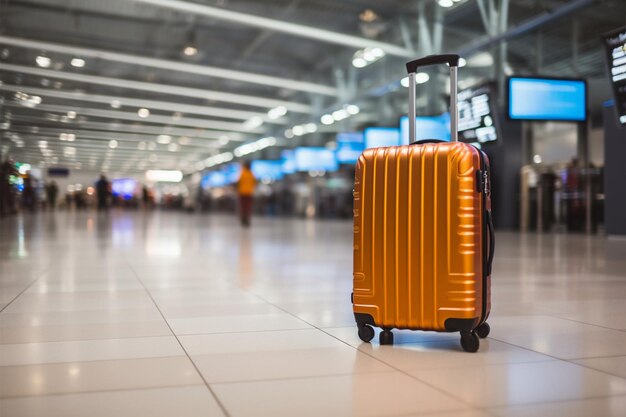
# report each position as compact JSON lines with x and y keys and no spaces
{"x":45,"y":82}
{"x":164,"y":176}
{"x":43,"y":144}
{"x":71,"y":114}
{"x":141,"y":146}
{"x":112,"y":144}
{"x":173,"y":147}
{"x":69,"y":151}
{"x":288,"y":133}
{"x":277,"y":112}
{"x":310,"y":128}
{"x":143,"y":113}
{"x":298,"y":130}
{"x":359,"y":62}
{"x":58,"y":84}
{"x":340,"y":114}
{"x":482,"y":59}
{"x":252,"y":123}
{"x":368,"y":16}
{"x":77,"y":62}
{"x":71,"y":137}
{"x":183,"y":140}
{"x":63,"y":136}
{"x":421,"y":77}
{"x":445,"y":3}
{"x":43,"y":61}
{"x":164,"y":139}
{"x":116,"y":104}
{"x":462,"y":62}
{"x":327,"y":119}
{"x":190,"y":50}
{"x":224,"y":140}
{"x":352,"y":109}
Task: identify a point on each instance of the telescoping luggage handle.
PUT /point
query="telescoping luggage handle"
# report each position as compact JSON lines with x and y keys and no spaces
{"x":411,"y":67}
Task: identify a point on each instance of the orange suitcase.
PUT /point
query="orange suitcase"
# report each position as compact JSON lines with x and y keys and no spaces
{"x":423,"y":234}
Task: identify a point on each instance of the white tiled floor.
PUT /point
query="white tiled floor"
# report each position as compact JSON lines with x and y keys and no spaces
{"x":161,"y":314}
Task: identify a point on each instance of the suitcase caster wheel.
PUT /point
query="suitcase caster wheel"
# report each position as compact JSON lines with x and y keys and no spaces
{"x":470,"y":341}
{"x":366,"y":333}
{"x":483,"y":330}
{"x":386,"y":337}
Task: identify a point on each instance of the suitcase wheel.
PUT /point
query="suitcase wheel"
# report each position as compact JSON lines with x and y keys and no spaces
{"x":366,"y":333}
{"x":469,"y":341}
{"x":483,"y":330}
{"x":386,"y":337}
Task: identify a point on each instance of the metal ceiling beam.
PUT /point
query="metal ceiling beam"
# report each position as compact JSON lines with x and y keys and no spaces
{"x":176,"y":90}
{"x":139,"y":103}
{"x":294,"y":29}
{"x":246,"y":77}
{"x":526,"y":26}
{"x":123,"y":128}
{"x":152,"y":119}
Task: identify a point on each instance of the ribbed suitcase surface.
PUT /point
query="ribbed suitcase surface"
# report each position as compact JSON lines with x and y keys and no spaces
{"x":418,"y":236}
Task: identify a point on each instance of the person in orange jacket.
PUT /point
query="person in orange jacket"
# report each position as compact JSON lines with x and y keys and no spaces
{"x":245,"y":188}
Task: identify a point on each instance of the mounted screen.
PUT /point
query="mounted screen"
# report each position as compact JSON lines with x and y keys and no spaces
{"x":615,"y":45}
{"x":378,"y":137}
{"x":267,"y":170}
{"x":123,"y":187}
{"x":426,"y":127}
{"x":349,"y":147}
{"x":547,"y":99}
{"x":315,"y":159}
{"x":477,"y":121}
{"x":288,"y":160}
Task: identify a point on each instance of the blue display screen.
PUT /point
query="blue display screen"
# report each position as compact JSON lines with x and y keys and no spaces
{"x":213,"y":179}
{"x":349,"y":147}
{"x":426,"y":127}
{"x":289,"y":161}
{"x":315,"y":159}
{"x":267,"y":170}
{"x":378,"y":137}
{"x":123,"y":187}
{"x":547,"y":99}
{"x":232,"y":173}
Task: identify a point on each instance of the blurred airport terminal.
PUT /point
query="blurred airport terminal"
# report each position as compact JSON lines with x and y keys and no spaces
{"x":176,"y":205}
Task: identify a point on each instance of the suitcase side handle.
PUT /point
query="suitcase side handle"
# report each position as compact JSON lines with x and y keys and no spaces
{"x":453,"y":61}
{"x":492,"y":242}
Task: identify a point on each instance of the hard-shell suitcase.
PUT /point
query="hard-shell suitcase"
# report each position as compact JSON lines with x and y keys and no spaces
{"x":423,"y":234}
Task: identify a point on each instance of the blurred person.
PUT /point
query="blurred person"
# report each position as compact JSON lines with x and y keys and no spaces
{"x":29,"y":200}
{"x":245,"y":189}
{"x":7,"y":203}
{"x":52,"y":191}
{"x":103,"y":190}
{"x":145,"y":197}
{"x":575,"y":203}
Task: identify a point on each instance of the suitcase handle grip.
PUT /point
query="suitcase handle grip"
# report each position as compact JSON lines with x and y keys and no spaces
{"x":423,"y":141}
{"x":492,"y":241}
{"x":453,"y":61}
{"x":450,"y":59}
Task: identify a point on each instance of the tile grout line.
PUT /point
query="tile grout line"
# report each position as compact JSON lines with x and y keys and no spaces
{"x":570,"y":361}
{"x":375,"y":358}
{"x":43,"y":273}
{"x":215,"y":397}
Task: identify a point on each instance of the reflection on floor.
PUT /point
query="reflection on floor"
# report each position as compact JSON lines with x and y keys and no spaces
{"x":170,"y":314}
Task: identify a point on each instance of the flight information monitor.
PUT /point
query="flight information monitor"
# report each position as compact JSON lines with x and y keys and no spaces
{"x":123,"y":187}
{"x":315,"y":159}
{"x":267,"y":170}
{"x":378,"y":137}
{"x":547,"y":99}
{"x":477,"y":122}
{"x":289,"y":161}
{"x":213,"y":179}
{"x":349,"y":147}
{"x":426,"y":127}
{"x":615,"y":44}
